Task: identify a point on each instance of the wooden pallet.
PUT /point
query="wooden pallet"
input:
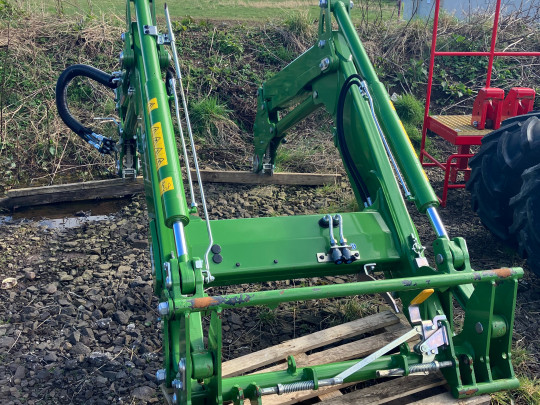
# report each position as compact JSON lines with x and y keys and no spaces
{"x":327,"y":346}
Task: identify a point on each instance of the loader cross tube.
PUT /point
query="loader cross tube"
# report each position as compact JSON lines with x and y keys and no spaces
{"x":368,"y":136}
{"x":273,"y":297}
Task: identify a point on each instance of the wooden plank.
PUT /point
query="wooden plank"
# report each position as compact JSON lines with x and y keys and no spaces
{"x":90,"y":190}
{"x":292,"y":179}
{"x":390,"y":390}
{"x":293,"y":347}
{"x":114,"y":188}
{"x":447,"y":399}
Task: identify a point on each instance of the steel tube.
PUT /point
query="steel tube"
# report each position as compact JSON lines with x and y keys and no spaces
{"x":343,"y":290}
{"x":500,"y":53}
{"x":436,"y":222}
{"x":493,"y":42}
{"x":179,"y":239}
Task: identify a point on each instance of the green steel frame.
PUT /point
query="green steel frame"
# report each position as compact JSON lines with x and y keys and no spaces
{"x":263,"y":249}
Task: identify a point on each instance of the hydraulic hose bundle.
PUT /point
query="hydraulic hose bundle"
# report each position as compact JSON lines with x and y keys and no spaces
{"x":102,"y":144}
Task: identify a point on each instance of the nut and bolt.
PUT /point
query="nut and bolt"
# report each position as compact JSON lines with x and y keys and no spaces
{"x":174,"y":399}
{"x":324,"y":63}
{"x":182,"y":365}
{"x":123,"y":36}
{"x":439,"y":259}
{"x":131,"y":91}
{"x":322,"y":43}
{"x":177,"y":384}
{"x":163,"y":308}
{"x":315,"y":95}
{"x":161,"y":374}
{"x":424,"y":347}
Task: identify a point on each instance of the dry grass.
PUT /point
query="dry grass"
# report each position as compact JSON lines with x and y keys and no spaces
{"x":35,"y":146}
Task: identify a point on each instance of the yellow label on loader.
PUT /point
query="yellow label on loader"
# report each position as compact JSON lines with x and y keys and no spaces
{"x":159,"y":146}
{"x":166,"y":185}
{"x":152,"y":105}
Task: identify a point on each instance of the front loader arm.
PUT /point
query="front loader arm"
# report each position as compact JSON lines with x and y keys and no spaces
{"x":335,"y":74}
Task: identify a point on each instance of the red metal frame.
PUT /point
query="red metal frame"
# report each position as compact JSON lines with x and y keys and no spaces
{"x":463,"y":142}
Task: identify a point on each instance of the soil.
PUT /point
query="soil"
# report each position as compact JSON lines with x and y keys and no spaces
{"x":80,"y":325}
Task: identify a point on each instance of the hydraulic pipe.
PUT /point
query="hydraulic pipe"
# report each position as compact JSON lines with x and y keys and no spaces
{"x":399,"y":142}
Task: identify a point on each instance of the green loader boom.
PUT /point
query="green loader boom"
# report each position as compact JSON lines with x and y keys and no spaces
{"x":335,"y":74}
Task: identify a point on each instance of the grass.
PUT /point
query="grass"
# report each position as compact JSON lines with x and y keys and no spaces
{"x":246,"y":10}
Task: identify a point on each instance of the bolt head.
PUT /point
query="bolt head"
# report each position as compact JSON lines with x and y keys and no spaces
{"x":182,"y":365}
{"x":177,"y":384}
{"x":439,"y":259}
{"x":479,"y":327}
{"x":161,"y":374}
{"x":322,"y":43}
{"x":163,"y":308}
{"x":123,"y":36}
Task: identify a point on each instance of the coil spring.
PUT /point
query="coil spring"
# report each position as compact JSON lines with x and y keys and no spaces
{"x":297,"y":386}
{"x":418,"y":368}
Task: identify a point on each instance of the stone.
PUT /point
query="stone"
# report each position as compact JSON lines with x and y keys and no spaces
{"x":50,"y":357}
{"x":121,"y":317}
{"x":143,"y":393}
{"x":20,"y":373}
{"x":7,"y":342}
{"x":74,"y":337}
{"x":29,"y":274}
{"x":50,"y":288}
{"x":80,"y":348}
{"x":103,"y":323}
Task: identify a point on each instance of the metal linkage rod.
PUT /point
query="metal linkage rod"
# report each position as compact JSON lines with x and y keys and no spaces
{"x":182,"y":139}
{"x":385,"y":142}
{"x":208,"y":277}
{"x":375,"y":355}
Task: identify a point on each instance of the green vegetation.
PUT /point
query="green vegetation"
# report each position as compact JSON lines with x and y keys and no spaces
{"x":411,"y":113}
{"x":243,"y":10}
{"x":210,"y":120}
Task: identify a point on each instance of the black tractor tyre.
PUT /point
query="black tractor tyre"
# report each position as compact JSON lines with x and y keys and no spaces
{"x":496,"y":171}
{"x":526,"y":225}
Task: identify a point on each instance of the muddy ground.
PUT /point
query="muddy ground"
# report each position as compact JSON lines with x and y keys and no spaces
{"x":80,"y":326}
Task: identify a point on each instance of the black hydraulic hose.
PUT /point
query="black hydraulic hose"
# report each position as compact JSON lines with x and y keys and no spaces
{"x":104,"y":145}
{"x":347,"y":158}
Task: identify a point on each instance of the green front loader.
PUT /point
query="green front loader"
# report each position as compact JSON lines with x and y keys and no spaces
{"x":190,"y":252}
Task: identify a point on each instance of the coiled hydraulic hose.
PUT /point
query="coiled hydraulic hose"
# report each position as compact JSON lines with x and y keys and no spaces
{"x":102,"y":144}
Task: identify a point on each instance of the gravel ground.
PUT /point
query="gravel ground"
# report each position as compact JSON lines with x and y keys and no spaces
{"x":80,"y":325}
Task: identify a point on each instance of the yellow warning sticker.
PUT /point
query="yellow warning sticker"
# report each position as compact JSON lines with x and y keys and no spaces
{"x":152,"y":105}
{"x":166,"y":185}
{"x":391,"y":105}
{"x":159,"y":146}
{"x":409,"y":139}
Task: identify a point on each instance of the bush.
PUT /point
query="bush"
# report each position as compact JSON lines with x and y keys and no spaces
{"x":409,"y":109}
